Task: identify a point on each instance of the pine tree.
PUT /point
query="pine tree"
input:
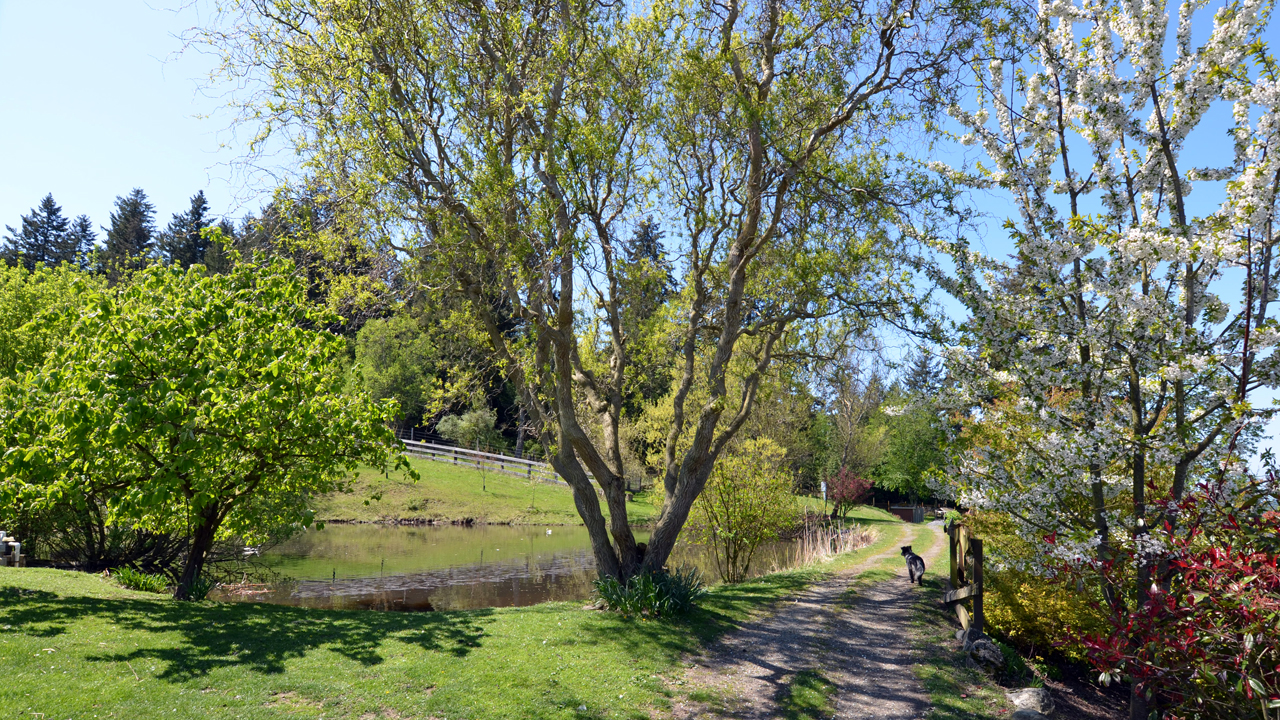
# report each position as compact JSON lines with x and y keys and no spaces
{"x":78,"y":243}
{"x":182,"y":242}
{"x":40,"y":238}
{"x":217,"y":257}
{"x":130,"y":237}
{"x":922,"y":378}
{"x":646,"y":282}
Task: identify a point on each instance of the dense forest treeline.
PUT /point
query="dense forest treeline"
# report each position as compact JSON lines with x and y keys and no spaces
{"x":413,"y":349}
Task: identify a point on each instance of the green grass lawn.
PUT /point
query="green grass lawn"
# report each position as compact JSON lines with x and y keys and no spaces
{"x":74,"y":645}
{"x":448,"y":492}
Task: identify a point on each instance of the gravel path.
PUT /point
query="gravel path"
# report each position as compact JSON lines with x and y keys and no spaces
{"x":864,"y":648}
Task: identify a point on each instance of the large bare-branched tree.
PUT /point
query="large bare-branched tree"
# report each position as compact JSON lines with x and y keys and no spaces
{"x":510,"y":145}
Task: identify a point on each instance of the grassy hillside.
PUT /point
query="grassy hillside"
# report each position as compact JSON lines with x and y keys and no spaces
{"x":449,"y":492}
{"x":75,"y":645}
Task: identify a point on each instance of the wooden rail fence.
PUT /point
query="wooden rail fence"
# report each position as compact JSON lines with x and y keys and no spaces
{"x":484,"y":461}
{"x":966,"y":578}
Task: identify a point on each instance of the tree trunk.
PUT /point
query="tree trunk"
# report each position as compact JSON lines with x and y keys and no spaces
{"x":588,"y":506}
{"x":695,"y":469}
{"x":201,"y":542}
{"x":520,"y":420}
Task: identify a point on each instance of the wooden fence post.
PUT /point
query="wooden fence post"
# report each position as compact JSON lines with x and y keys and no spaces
{"x":977,"y":581}
{"x":965,"y":585}
{"x":951,"y":546}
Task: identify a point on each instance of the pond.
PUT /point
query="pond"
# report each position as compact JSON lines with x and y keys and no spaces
{"x":384,"y":567}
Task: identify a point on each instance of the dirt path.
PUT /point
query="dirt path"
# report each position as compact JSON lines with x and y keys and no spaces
{"x":862,"y":647}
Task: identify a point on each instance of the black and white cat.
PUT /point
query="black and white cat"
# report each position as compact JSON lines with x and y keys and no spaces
{"x":915,"y":565}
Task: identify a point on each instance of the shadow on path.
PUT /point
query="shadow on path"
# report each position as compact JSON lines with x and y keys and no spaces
{"x":862,"y":645}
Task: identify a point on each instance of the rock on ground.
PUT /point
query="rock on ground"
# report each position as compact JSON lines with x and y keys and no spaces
{"x":1037,"y":699}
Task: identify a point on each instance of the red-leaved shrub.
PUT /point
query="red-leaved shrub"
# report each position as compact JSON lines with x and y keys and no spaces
{"x":1206,"y":641}
{"x":846,"y":489}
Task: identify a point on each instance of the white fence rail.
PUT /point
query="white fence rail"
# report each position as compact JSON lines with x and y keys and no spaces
{"x":483,"y":461}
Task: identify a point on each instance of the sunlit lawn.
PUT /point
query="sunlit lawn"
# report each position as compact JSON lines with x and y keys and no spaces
{"x":76,"y":645}
{"x":448,"y":492}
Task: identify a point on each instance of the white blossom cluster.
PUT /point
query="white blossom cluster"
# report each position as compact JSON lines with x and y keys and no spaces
{"x":1110,"y":349}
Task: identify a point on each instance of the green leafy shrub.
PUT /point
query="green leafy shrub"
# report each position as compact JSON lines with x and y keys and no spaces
{"x":746,"y":503}
{"x":1016,"y":669}
{"x":652,"y":594}
{"x":199,"y":588}
{"x":1037,"y":615}
{"x":135,"y":580}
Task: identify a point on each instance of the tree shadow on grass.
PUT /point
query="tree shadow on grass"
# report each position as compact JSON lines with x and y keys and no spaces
{"x":257,"y":636}
{"x":720,"y":612}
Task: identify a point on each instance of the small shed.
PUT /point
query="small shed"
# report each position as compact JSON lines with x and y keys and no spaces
{"x":909,"y":513}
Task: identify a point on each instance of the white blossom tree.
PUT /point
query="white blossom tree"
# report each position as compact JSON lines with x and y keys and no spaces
{"x":1116,"y":355}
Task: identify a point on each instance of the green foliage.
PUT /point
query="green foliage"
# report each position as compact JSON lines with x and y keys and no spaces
{"x":473,"y":429}
{"x":914,"y":448}
{"x":198,"y":588}
{"x":747,"y":502}
{"x":192,"y":403}
{"x":1039,"y":616}
{"x":45,"y":238}
{"x":36,"y":310}
{"x":130,"y":238}
{"x":135,"y":580}
{"x":512,"y":197}
{"x":185,"y":242}
{"x":652,"y":594}
{"x":398,"y":361}
{"x":1015,"y":669}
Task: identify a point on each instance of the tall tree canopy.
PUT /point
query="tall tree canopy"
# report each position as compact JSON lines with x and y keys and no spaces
{"x":194,"y":404}
{"x":46,"y":237}
{"x":130,"y":239}
{"x":183,"y":243}
{"x":1112,"y":363}
{"x":516,"y":143}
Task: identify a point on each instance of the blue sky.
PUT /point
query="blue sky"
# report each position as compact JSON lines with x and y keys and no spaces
{"x":94,"y":101}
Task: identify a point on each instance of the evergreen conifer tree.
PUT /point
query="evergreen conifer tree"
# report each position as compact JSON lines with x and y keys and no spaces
{"x":78,"y":243}
{"x":40,"y":237}
{"x":922,"y":378}
{"x":130,"y":237}
{"x":646,"y":273}
{"x":182,"y":243}
{"x":217,"y":258}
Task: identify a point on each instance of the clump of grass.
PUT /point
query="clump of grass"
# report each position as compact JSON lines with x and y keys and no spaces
{"x":653,"y":594}
{"x":200,"y":588}
{"x":808,"y":696}
{"x":1015,"y":668}
{"x":820,"y":543}
{"x":136,"y":580}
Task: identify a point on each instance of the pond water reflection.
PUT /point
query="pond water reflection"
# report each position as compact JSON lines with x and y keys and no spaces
{"x":381,"y":567}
